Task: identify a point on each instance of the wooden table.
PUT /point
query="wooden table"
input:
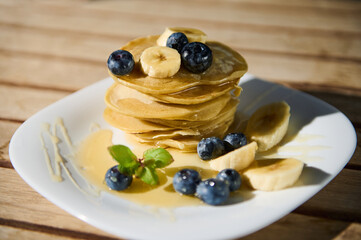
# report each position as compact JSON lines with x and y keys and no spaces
{"x":49,"y":49}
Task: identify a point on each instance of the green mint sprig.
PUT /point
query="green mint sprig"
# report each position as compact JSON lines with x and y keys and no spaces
{"x":143,"y":168}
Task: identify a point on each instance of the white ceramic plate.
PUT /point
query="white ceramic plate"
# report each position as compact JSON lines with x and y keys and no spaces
{"x":309,"y":116}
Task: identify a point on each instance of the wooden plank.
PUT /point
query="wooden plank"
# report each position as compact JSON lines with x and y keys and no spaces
{"x":108,"y":17}
{"x":300,"y":227}
{"x":349,"y":105}
{"x":44,"y":71}
{"x":355,"y":162}
{"x":60,"y":43}
{"x":21,"y":103}
{"x":340,"y":199}
{"x":328,"y":75}
{"x":7,"y":129}
{"x":10,"y":229}
{"x":10,"y":233}
{"x":21,"y":203}
{"x":345,"y":21}
{"x":352,"y":232}
{"x":323,"y":4}
{"x":246,"y":13}
{"x":96,"y":47}
{"x":325,"y":46}
{"x":25,"y":205}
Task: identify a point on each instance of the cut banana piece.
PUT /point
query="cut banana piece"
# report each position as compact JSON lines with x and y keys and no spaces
{"x":273,"y":174}
{"x":268,"y":125}
{"x":160,"y":62}
{"x":193,"y":35}
{"x":237,"y":159}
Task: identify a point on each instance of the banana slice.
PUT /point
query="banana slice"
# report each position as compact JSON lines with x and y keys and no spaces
{"x":193,"y":35}
{"x":238,"y":159}
{"x":160,"y":62}
{"x":268,"y":125}
{"x":273,"y":174}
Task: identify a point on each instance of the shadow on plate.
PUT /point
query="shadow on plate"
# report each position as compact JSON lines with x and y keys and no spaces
{"x":311,"y":176}
{"x":304,"y":108}
{"x":240,"y":196}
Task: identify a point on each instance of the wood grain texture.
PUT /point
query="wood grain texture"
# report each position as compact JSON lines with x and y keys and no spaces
{"x":295,"y":226}
{"x":353,"y":231}
{"x":356,"y":158}
{"x":275,"y":51}
{"x":32,"y":38}
{"x":23,"y":204}
{"x":59,"y":73}
{"x":7,"y":129}
{"x":342,"y":103}
{"x":330,"y":201}
{"x":21,"y":103}
{"x":8,"y":233}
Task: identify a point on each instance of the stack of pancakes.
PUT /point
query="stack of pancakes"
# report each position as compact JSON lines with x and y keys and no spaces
{"x":180,"y":110}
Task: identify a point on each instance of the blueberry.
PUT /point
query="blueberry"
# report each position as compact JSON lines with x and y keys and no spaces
{"x":116,"y":180}
{"x":231,"y":177}
{"x":210,"y":148}
{"x":120,"y":62}
{"x":177,"y":41}
{"x":237,"y":140}
{"x":186,"y":180}
{"x":228,"y":147}
{"x":213,"y":191}
{"x":196,"y":57}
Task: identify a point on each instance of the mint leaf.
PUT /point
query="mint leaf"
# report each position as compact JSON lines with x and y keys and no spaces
{"x":157,"y":158}
{"x":128,"y":163}
{"x":149,"y":176}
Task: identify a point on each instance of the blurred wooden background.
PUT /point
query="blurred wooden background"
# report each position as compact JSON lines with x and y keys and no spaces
{"x":49,"y":49}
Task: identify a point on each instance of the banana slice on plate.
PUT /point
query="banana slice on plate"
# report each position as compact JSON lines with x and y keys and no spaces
{"x":193,"y":35}
{"x":237,"y":159}
{"x":268,"y":125}
{"x":160,"y":62}
{"x":273,"y":174}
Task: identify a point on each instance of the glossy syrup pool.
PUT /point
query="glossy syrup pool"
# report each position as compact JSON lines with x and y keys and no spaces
{"x":93,"y":160}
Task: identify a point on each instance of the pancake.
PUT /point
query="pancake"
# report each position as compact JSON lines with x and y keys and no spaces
{"x":184,"y":144}
{"x":204,"y":131}
{"x":187,"y":144}
{"x":135,"y":125}
{"x":227,"y":66}
{"x":197,"y":94}
{"x":131,"y":124}
{"x":155,"y":135}
{"x":135,"y":104}
{"x":193,"y":95}
{"x":226,"y":112}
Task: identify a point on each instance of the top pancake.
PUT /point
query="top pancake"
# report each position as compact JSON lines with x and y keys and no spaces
{"x":227,"y":66}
